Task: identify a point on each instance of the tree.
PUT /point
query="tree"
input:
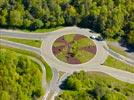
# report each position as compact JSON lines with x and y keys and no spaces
{"x":94,"y":86}
{"x":37,"y":24}
{"x":3,"y":17}
{"x":16,"y":19}
{"x":114,"y":96}
{"x":131,"y":38}
{"x":74,"y":84}
{"x":27,"y":23}
{"x":2,"y":2}
{"x":21,"y":77}
{"x":70,"y":16}
{"x":111,"y":18}
{"x":99,"y":92}
{"x":115,"y":23}
{"x":4,"y":95}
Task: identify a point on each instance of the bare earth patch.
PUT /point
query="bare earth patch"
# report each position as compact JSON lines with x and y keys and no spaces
{"x":77,"y":37}
{"x":91,"y":49}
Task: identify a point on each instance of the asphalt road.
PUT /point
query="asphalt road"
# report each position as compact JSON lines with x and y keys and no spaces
{"x":46,"y":52}
{"x":20,"y":46}
{"x":120,"y":57}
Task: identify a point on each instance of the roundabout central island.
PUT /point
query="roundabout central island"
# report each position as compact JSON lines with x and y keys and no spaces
{"x":74,"y":48}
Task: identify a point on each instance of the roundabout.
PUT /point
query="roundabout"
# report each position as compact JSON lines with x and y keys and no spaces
{"x":74,"y":49}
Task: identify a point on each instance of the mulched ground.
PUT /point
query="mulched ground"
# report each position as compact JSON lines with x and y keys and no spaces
{"x":57,"y":50}
{"x":91,"y":49}
{"x":78,"y":36}
{"x":61,"y":39}
{"x":71,"y":59}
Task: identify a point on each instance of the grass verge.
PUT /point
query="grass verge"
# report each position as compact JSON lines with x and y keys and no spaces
{"x":43,"y":30}
{"x":116,"y":49}
{"x":49,"y":73}
{"x":61,"y":74}
{"x":35,"y":43}
{"x":112,"y":62}
{"x":48,"y":30}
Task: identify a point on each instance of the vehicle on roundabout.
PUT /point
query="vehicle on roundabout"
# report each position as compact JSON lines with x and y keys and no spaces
{"x":98,"y":38}
{"x":93,"y":37}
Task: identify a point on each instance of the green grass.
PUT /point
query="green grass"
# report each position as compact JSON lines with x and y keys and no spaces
{"x":112,"y":40}
{"x":112,"y":62}
{"x":61,"y":56}
{"x":41,"y":30}
{"x":61,"y":74}
{"x":84,"y":56}
{"x":57,"y":44}
{"x":84,"y":42}
{"x":69,"y":38}
{"x":48,"y":30}
{"x":49,"y":73}
{"x":35,"y":43}
{"x":116,"y":49}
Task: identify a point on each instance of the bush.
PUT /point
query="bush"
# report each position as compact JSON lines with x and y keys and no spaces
{"x":95,"y":86}
{"x":114,"y":96}
{"x":20,"y":77}
{"x":37,"y":24}
{"x":74,"y":84}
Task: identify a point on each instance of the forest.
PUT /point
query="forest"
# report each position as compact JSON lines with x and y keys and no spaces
{"x":95,"y":86}
{"x":20,"y":77}
{"x":111,"y":18}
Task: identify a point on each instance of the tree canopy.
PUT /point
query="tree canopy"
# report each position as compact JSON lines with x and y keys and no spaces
{"x":20,"y":77}
{"x":95,"y":86}
{"x":112,"y":18}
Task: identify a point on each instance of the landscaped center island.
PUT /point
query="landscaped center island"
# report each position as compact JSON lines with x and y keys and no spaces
{"x":74,"y":48}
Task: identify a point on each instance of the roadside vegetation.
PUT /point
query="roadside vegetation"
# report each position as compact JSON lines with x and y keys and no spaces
{"x":112,"y":62}
{"x":95,"y":86}
{"x":112,"y":18}
{"x":35,"y":43}
{"x":49,"y":73}
{"x":48,"y":30}
{"x":116,"y":49}
{"x":41,"y":30}
{"x":60,"y":74}
{"x":20,"y":77}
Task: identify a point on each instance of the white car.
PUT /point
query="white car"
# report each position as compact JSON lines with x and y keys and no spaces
{"x":98,"y":38}
{"x":93,"y":37}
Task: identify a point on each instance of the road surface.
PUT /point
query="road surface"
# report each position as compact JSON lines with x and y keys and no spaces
{"x":45,"y":51}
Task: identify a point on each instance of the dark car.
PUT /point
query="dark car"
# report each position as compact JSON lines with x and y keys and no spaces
{"x":99,"y":38}
{"x":91,"y":31}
